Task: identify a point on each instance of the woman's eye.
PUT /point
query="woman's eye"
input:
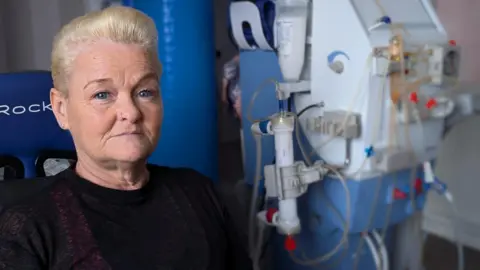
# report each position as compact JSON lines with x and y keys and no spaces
{"x":146,"y":93}
{"x":102,"y":95}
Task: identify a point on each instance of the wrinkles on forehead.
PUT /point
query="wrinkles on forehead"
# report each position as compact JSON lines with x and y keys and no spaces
{"x":82,"y":47}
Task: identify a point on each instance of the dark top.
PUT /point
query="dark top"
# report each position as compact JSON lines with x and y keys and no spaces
{"x":175,"y":222}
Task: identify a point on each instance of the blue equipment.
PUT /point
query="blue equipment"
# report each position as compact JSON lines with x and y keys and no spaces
{"x":28,"y":125}
{"x":187,"y":53}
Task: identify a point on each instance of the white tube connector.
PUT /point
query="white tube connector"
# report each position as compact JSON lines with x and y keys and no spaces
{"x":288,"y":221}
{"x":428,"y":172}
{"x":262,"y":128}
{"x":282,"y":127}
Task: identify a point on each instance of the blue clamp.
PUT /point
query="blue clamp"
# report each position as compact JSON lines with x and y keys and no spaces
{"x":385,"y":20}
{"x":369,"y":151}
{"x":438,"y":186}
{"x":263,"y":125}
{"x":410,"y":206}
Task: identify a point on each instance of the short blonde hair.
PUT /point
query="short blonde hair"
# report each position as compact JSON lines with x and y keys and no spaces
{"x":117,"y":24}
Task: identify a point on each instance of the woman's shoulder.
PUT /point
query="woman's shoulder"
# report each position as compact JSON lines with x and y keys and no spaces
{"x":26,"y":203}
{"x":24,"y":191}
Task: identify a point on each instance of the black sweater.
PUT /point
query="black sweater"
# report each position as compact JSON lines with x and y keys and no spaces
{"x":175,"y":222}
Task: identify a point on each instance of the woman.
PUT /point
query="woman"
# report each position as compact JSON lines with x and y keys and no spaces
{"x":231,"y":94}
{"x":111,"y":210}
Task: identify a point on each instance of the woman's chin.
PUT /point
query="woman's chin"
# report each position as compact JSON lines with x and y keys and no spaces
{"x":130,"y":154}
{"x":131,"y":158}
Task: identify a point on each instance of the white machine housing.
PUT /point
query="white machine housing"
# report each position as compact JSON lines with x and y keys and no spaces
{"x":349,"y":31}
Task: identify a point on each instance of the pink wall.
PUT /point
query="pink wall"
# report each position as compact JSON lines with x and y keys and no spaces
{"x":462,"y":22}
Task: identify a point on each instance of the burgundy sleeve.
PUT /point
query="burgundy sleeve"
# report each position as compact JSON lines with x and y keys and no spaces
{"x":15,"y":240}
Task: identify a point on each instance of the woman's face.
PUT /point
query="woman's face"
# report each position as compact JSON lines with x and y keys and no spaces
{"x":113,"y":109}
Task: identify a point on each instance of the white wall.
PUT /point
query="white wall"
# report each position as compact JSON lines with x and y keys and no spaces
{"x":458,"y":159}
{"x":27,"y":28}
{"x":3,"y":59}
{"x":462,"y":22}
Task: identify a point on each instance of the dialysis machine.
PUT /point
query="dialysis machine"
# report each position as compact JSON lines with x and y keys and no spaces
{"x":372,"y":83}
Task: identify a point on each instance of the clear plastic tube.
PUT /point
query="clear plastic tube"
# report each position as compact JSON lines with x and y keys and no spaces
{"x":385,"y":262}
{"x":460,"y":251}
{"x":373,"y":249}
{"x":252,"y":228}
{"x":344,"y":240}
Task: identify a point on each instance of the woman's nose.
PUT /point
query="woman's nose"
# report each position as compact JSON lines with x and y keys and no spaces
{"x":127,"y":110}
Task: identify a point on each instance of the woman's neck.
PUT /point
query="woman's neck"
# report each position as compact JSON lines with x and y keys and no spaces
{"x":115,"y":175}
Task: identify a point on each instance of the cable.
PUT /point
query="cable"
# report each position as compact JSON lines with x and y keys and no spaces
{"x":416,"y":116}
{"x":376,"y":129}
{"x":392,"y":26}
{"x":378,"y":185}
{"x":370,"y":221}
{"x":417,"y":119}
{"x":344,"y":239}
{"x":393,"y":29}
{"x":252,"y":228}
{"x":380,"y":6}
{"x":255,"y":247}
{"x":409,"y":146}
{"x":319,"y":105}
{"x":373,"y":249}
{"x":460,"y":251}
{"x":392,"y":135}
{"x":344,"y":225}
{"x":355,"y":98}
{"x":448,"y":195}
{"x":406,"y":129}
{"x":333,"y":137}
{"x":383,"y":250}
{"x":300,"y":142}
{"x":254,"y":97}
{"x":257,"y":255}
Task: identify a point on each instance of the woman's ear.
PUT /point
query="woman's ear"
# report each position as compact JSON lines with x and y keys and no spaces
{"x":58,"y":100}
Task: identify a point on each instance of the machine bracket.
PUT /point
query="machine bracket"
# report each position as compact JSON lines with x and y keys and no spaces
{"x":292,"y":181}
{"x":286,"y":89}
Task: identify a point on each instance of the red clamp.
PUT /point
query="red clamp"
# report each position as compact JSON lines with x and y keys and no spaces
{"x":270,"y":213}
{"x":290,"y":243}
{"x":431,"y":103}
{"x":418,"y":186}
{"x":398,"y":194}
{"x":414,"y":97}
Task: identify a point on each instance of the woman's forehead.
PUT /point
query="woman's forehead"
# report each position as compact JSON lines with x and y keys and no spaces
{"x":111,"y":59}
